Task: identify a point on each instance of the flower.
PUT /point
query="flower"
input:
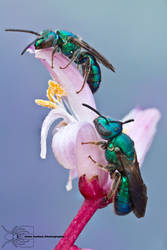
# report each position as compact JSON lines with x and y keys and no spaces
{"x":76,"y":127}
{"x":68,"y":135}
{"x":77,"y":123}
{"x":71,"y":132}
{"x":78,"y":119}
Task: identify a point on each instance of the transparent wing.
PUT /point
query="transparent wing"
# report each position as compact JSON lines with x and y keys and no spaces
{"x":137,"y":188}
{"x":94,"y":52}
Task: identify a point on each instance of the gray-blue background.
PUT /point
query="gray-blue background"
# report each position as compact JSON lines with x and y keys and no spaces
{"x":133,"y":36}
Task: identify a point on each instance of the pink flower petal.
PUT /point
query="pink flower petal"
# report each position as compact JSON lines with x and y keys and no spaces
{"x":131,"y":115}
{"x":71,"y":80}
{"x":84,"y":164}
{"x":142,"y":130}
{"x":71,"y":154}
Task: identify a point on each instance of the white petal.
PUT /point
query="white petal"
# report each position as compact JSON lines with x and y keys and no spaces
{"x":71,"y":80}
{"x":72,"y":174}
{"x":50,"y":118}
{"x":142,"y":130}
{"x":64,"y":145}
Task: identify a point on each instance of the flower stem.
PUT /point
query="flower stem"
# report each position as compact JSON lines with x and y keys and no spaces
{"x":85,"y":213}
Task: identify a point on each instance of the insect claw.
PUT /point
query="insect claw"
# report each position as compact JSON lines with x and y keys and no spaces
{"x":90,"y":157}
{"x":77,"y":92}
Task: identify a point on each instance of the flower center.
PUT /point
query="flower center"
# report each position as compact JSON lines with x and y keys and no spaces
{"x":54,"y":94}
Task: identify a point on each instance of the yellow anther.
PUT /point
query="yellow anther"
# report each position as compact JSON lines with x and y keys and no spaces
{"x":50,"y":94}
{"x":55,"y":89}
{"x":44,"y":103}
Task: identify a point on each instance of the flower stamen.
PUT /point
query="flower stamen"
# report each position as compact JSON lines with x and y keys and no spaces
{"x":54,"y":90}
{"x":44,"y":103}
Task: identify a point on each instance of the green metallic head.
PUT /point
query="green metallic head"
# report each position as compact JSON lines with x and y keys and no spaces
{"x":47,"y":39}
{"x":107,"y":127}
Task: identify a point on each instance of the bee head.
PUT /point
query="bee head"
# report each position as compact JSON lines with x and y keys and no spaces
{"x":107,"y":128}
{"x":46,"y":39}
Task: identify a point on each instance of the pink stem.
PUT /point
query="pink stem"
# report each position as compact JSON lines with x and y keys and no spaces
{"x":85,"y":213}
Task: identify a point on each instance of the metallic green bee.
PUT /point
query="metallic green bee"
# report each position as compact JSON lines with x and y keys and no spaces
{"x":70,"y":45}
{"x":128,"y":190}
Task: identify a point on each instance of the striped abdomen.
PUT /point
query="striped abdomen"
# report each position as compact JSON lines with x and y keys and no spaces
{"x":122,"y":202}
{"x":89,"y":62}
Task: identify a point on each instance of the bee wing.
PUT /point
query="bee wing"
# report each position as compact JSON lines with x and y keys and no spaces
{"x":137,"y":188}
{"x":94,"y":52}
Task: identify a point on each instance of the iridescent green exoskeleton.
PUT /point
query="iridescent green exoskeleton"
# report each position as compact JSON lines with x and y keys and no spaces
{"x":71,"y":46}
{"x":128,"y":190}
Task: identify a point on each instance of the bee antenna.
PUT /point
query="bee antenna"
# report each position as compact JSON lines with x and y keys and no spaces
{"x":25,"y":31}
{"x":97,"y":112}
{"x":89,"y":107}
{"x":130,"y":120}
{"x":24,"y":50}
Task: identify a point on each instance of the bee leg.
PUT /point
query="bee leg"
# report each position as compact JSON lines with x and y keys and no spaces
{"x":117,"y":179}
{"x":110,"y":168}
{"x":52,"y":56}
{"x":86,"y":74}
{"x":101,"y":143}
{"x":97,"y":164}
{"x":75,"y":55}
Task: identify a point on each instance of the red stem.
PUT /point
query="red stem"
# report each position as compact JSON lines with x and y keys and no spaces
{"x":85,"y":213}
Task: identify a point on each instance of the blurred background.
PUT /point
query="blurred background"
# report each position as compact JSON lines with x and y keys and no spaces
{"x":133,"y":36}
